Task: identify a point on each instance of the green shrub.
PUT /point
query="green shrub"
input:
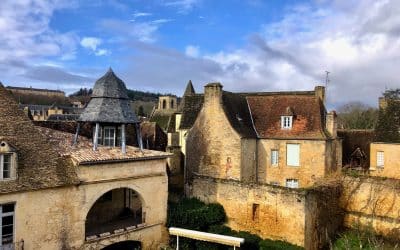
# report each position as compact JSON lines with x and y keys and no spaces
{"x":277,"y":245}
{"x":194,"y":214}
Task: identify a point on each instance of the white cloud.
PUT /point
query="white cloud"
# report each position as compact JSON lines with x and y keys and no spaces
{"x":192,"y":51}
{"x":143,"y":31}
{"x":141,"y":14}
{"x":92,"y":43}
{"x":184,"y":6}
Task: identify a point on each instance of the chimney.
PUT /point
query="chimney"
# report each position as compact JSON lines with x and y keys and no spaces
{"x":320,"y":92}
{"x":212,"y":93}
{"x":331,"y":123}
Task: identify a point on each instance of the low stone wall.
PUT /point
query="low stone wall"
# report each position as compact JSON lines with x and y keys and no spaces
{"x":305,"y":217}
{"x":372,"y":203}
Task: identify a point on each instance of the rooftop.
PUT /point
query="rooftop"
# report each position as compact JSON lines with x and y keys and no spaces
{"x":82,"y":153}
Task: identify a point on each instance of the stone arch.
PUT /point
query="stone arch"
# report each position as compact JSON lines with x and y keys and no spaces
{"x":172,"y":104}
{"x":114,"y":208}
{"x":164,"y":104}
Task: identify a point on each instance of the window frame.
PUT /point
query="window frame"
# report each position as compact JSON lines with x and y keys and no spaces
{"x":292,"y":180}
{"x":10,"y":166}
{"x":113,"y":138}
{"x":7,"y":214}
{"x":286,"y":122}
{"x":274,"y":159}
{"x":380,"y":159}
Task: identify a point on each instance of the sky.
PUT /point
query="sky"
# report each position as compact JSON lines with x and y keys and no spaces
{"x":159,"y":45}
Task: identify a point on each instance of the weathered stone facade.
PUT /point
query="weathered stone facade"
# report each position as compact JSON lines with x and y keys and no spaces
{"x":389,"y":163}
{"x":372,"y":203}
{"x":303,"y":217}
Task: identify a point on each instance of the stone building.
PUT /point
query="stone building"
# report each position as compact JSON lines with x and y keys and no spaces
{"x":94,"y":194}
{"x":279,"y":138}
{"x":385,"y":160}
{"x":263,"y":156}
{"x":35,"y":91}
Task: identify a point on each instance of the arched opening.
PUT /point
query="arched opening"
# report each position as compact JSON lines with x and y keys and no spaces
{"x":119,"y":208}
{"x":172,"y":104}
{"x":124,"y":245}
{"x":164,"y":104}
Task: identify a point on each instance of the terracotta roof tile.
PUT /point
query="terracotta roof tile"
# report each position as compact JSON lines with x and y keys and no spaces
{"x":82,"y":153}
{"x":308,"y":119}
{"x":39,"y":165}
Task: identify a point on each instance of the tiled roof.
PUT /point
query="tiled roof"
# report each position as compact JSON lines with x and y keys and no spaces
{"x":237,"y":111}
{"x":308,"y":111}
{"x":109,"y":102}
{"x":82,"y":153}
{"x":190,"y":109}
{"x":39,"y":165}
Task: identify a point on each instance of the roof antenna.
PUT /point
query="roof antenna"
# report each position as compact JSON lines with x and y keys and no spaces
{"x":326,"y":85}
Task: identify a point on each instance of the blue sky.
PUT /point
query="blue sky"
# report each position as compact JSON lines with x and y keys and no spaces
{"x":252,"y":45}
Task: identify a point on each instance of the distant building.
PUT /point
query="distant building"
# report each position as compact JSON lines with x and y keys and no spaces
{"x":35,"y":91}
{"x":51,"y":112}
{"x":62,"y":191}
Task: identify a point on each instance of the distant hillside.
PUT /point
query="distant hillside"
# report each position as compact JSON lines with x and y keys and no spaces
{"x":135,"y":95}
{"x":40,"y":99}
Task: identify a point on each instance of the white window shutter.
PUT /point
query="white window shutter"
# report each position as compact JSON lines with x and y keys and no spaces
{"x":293,"y":154}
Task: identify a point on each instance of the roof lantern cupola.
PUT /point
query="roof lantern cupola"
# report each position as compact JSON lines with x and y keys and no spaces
{"x":109,"y":109}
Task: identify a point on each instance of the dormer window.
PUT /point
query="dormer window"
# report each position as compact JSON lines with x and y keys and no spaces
{"x":109,"y":136}
{"x":8,"y":158}
{"x":286,"y":122}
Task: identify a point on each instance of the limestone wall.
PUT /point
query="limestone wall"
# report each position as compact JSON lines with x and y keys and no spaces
{"x":373,"y":203}
{"x":294,"y":215}
{"x":391,"y":166}
{"x":215,"y":148}
{"x":55,"y":218}
{"x":312,"y":162}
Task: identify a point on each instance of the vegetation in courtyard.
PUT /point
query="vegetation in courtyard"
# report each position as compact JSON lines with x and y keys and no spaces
{"x":361,"y":239}
{"x":196,"y":215}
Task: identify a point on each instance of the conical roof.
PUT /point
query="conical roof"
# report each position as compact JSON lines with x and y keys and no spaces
{"x":111,"y":86}
{"x":189,"y":89}
{"x":109,"y":102}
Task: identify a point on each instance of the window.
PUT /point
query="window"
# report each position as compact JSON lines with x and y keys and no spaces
{"x":5,"y":166}
{"x":274,"y":157}
{"x":286,"y":122}
{"x":293,"y":155}
{"x":292,"y":183}
{"x":380,"y":159}
{"x":255,"y":211}
{"x":109,"y":136}
{"x":7,"y":224}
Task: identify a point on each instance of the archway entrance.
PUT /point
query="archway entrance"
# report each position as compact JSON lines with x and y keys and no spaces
{"x":124,"y":245}
{"x":119,"y":208}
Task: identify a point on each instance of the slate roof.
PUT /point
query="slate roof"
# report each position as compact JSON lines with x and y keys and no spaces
{"x":237,"y":111}
{"x":190,"y":109}
{"x":39,"y":164}
{"x":308,"y":115}
{"x":35,"y":89}
{"x":109,"y":102}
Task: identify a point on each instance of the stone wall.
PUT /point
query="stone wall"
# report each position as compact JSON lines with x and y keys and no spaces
{"x":312,"y":161}
{"x":55,"y":218}
{"x":391,"y":165}
{"x":372,"y":203}
{"x":215,"y":147}
{"x":295,"y":215}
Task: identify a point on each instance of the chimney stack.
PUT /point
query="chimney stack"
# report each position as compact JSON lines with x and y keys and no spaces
{"x":331,"y":123}
{"x":212,"y":93}
{"x":320,"y":92}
